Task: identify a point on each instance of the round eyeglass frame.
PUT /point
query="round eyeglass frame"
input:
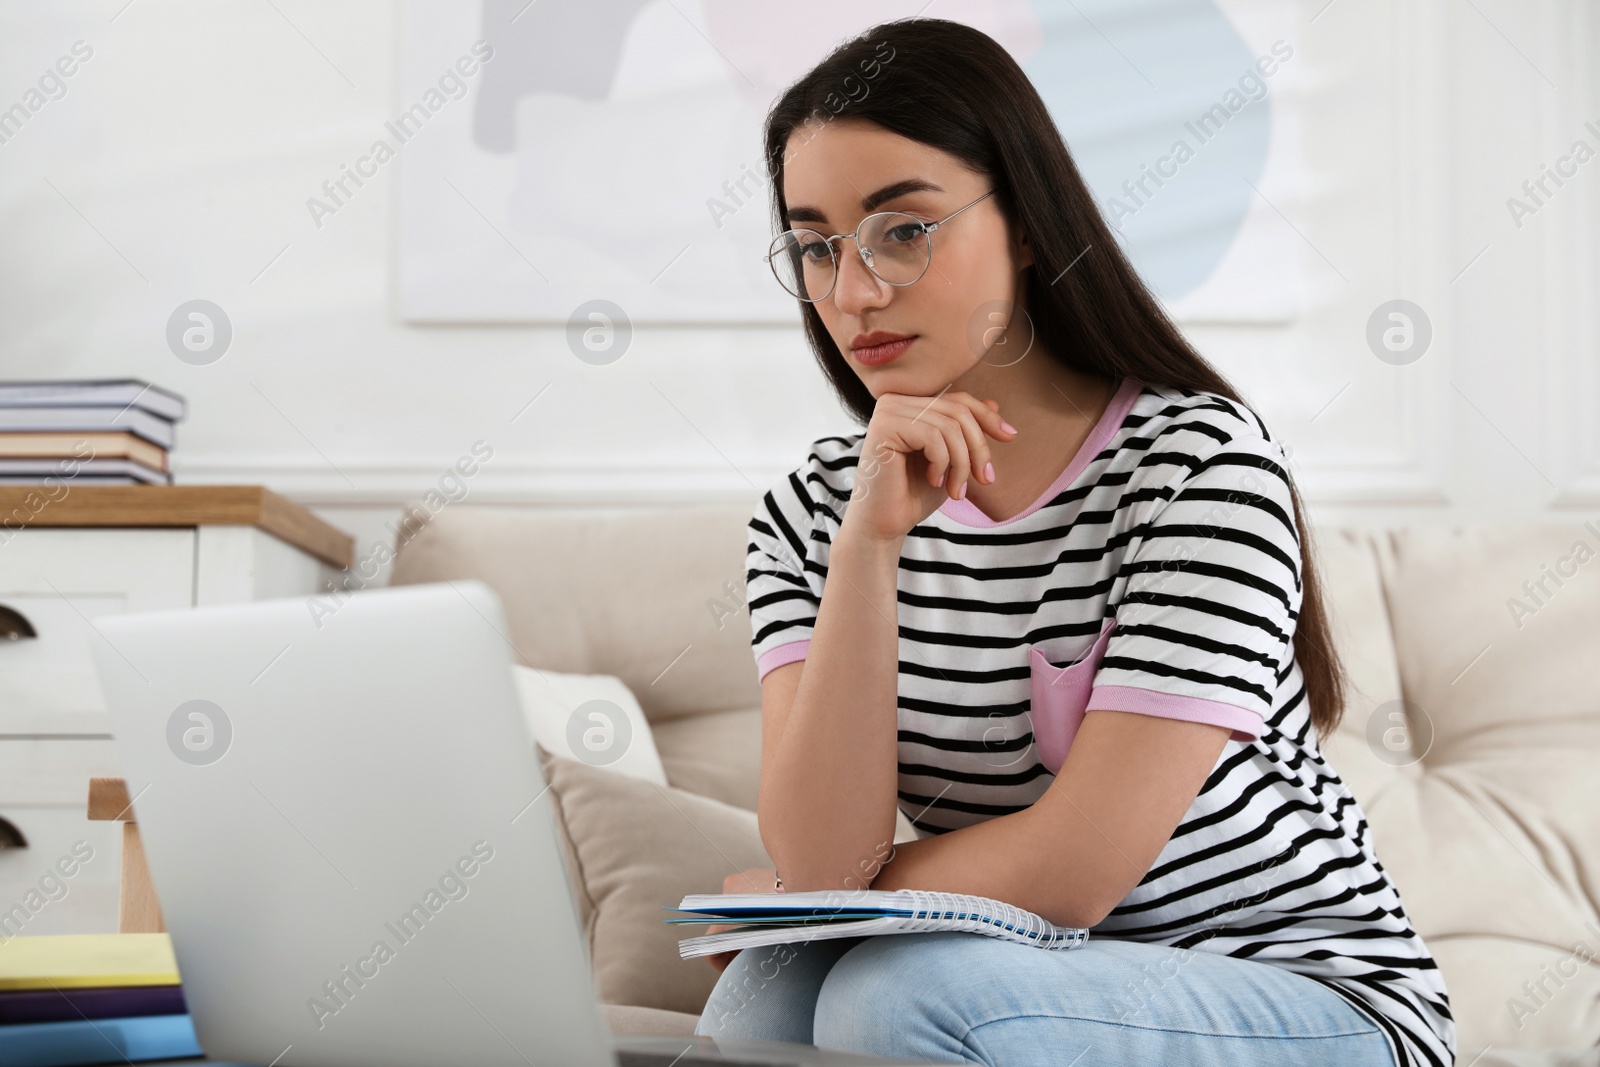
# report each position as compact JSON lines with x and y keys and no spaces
{"x":833,"y":252}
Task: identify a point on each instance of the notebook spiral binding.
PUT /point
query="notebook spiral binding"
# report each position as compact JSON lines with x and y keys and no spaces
{"x":930,"y":909}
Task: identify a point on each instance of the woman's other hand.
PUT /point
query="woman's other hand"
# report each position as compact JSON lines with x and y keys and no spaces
{"x":750,"y":880}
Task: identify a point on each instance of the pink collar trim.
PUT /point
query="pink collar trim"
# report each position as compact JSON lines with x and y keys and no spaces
{"x":967,"y":513}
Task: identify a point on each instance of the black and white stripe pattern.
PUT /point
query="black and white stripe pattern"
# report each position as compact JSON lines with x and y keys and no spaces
{"x":1173,"y":526}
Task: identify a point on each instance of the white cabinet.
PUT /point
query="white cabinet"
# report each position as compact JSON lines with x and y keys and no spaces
{"x":54,"y":731}
{"x":60,"y":581}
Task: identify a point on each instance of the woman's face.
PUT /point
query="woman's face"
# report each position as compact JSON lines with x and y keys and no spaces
{"x":954,"y":311}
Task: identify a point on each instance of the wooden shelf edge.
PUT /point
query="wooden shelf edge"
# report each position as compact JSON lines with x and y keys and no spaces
{"x":178,"y":505}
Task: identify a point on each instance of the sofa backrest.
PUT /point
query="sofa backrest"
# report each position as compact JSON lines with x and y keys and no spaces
{"x":654,"y":597}
{"x":1488,"y":820}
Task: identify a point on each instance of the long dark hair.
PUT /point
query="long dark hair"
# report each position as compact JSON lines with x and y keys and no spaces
{"x":954,"y":88}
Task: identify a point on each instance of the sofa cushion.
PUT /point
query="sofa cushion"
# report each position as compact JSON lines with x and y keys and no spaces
{"x":633,"y":847}
{"x":719,"y":756}
{"x":655,"y":597}
{"x":632,"y":1019}
{"x":592,"y":718}
{"x":1358,"y":616}
{"x":1513,"y":1057}
{"x":716,"y":755}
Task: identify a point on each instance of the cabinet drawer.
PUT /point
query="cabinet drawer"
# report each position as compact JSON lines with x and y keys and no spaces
{"x":66,"y":880}
{"x":60,"y":581}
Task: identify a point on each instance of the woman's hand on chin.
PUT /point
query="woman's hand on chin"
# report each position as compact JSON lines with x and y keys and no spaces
{"x":919,"y":452}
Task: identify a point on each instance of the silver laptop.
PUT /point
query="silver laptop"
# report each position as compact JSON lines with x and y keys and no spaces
{"x":352,"y":843}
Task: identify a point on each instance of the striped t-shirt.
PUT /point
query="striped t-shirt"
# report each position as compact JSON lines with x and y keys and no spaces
{"x":1158,"y":574}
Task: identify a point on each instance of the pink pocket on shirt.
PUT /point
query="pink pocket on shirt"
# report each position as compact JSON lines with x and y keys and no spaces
{"x":1059,"y":698}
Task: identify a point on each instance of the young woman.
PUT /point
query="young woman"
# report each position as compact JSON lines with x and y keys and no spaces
{"x":1057,"y":604}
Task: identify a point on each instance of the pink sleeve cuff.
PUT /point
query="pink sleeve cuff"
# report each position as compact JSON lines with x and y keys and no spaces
{"x":779,"y":655}
{"x":1246,"y":725}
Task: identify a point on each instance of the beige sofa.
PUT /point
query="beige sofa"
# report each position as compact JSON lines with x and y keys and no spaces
{"x":1482,"y":787}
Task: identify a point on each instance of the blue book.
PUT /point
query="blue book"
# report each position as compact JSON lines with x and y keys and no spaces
{"x":119,"y":1040}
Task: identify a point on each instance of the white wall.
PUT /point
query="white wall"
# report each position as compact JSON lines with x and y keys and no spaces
{"x":178,"y":163}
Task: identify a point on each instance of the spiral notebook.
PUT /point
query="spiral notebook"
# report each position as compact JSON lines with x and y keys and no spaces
{"x":777,"y":918}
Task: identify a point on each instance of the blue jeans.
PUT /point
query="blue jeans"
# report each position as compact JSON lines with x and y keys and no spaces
{"x":953,"y":997}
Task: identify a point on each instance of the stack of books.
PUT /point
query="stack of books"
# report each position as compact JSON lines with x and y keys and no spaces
{"x":105,"y":432}
{"x":71,"y":999}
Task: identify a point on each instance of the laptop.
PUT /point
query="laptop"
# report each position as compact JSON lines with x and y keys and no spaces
{"x":352,"y":842}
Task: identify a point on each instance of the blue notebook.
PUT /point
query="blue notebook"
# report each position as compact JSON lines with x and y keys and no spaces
{"x":86,"y":1041}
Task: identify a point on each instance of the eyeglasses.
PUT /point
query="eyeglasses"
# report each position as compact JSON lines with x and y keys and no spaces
{"x":894,"y":246}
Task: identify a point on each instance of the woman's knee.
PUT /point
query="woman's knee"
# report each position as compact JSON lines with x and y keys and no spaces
{"x":769,"y":992}
{"x":895,"y":996}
